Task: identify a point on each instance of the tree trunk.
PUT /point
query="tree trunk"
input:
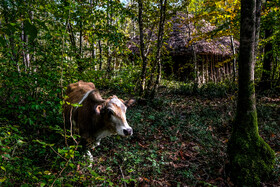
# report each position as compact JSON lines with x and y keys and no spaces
{"x":202,"y":73}
{"x":25,"y":54}
{"x":267,"y":63}
{"x":196,"y":73}
{"x":100,"y":54}
{"x":109,"y":53}
{"x":143,"y":57}
{"x":234,"y":58}
{"x":71,"y":35}
{"x":251,"y":160}
{"x":211,"y":69}
{"x":207,"y":69}
{"x":265,"y":83}
{"x":81,"y":67}
{"x":273,"y":78}
{"x":258,"y":24}
{"x":93,"y":53}
{"x":159,"y":46}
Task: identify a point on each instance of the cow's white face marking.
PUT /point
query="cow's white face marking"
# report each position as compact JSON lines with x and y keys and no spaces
{"x":118,"y":102}
{"x":122,"y":126}
{"x":119,"y":117}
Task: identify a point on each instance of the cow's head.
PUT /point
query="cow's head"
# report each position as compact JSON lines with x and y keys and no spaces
{"x":113,"y":113}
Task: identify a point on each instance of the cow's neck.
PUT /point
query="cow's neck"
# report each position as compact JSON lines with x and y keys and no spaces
{"x":101,"y":135}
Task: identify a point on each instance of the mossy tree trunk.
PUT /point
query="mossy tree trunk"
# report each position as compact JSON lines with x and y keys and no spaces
{"x":251,"y":159}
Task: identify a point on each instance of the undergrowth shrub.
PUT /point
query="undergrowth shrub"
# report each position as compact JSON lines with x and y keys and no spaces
{"x":32,"y":136}
{"x":210,"y":90}
{"x":123,"y":80}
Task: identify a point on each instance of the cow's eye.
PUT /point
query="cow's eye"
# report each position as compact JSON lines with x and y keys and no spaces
{"x":110,"y":112}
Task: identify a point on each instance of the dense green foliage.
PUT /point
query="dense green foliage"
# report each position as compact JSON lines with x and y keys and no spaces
{"x":180,"y":136}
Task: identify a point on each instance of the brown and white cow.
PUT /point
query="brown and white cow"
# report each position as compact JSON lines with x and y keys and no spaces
{"x":94,"y":118}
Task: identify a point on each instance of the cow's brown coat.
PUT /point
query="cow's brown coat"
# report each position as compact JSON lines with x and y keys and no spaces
{"x":92,"y":120}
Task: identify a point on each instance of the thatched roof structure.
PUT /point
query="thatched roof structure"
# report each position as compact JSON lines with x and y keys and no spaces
{"x":180,"y":40}
{"x":185,"y":33}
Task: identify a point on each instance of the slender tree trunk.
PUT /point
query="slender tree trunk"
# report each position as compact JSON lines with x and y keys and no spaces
{"x":109,"y":53}
{"x":265,"y":83}
{"x":251,"y":159}
{"x":196,"y":74}
{"x":77,"y":50}
{"x":233,"y":53}
{"x":274,"y":71}
{"x":202,"y":73}
{"x":211,"y":69}
{"x":80,"y":55}
{"x":267,"y":63}
{"x":93,"y":45}
{"x":234,"y":58}
{"x":93,"y":54}
{"x":109,"y":60}
{"x":143,"y":57}
{"x":258,"y":24}
{"x":23,"y":39}
{"x":207,"y":69}
{"x":159,"y":45}
{"x":81,"y":38}
{"x":100,"y":54}
{"x":71,"y":35}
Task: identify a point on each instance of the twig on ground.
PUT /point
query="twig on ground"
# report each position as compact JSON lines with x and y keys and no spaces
{"x":122,"y":176}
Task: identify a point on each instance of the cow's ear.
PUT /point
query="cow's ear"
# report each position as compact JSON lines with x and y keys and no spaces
{"x":98,"y":109}
{"x":129,"y":102}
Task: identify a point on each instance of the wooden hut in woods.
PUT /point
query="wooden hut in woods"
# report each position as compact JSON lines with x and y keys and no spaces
{"x":195,"y":56}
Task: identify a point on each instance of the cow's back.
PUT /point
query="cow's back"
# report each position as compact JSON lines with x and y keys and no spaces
{"x":76,"y":91}
{"x":74,"y":94}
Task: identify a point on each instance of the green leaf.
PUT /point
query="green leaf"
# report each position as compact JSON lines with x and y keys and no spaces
{"x":3,"y":179}
{"x":2,"y":167}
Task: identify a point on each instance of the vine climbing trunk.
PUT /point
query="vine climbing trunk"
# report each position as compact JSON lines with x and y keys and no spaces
{"x":251,"y":159}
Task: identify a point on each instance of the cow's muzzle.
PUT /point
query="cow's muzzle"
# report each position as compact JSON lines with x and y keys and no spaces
{"x":128,"y":131}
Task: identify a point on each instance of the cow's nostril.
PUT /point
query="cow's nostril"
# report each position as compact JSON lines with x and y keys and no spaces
{"x":127,"y":132}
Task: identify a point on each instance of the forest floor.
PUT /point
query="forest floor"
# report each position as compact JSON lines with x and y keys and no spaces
{"x":181,"y":140}
{"x":178,"y":140}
